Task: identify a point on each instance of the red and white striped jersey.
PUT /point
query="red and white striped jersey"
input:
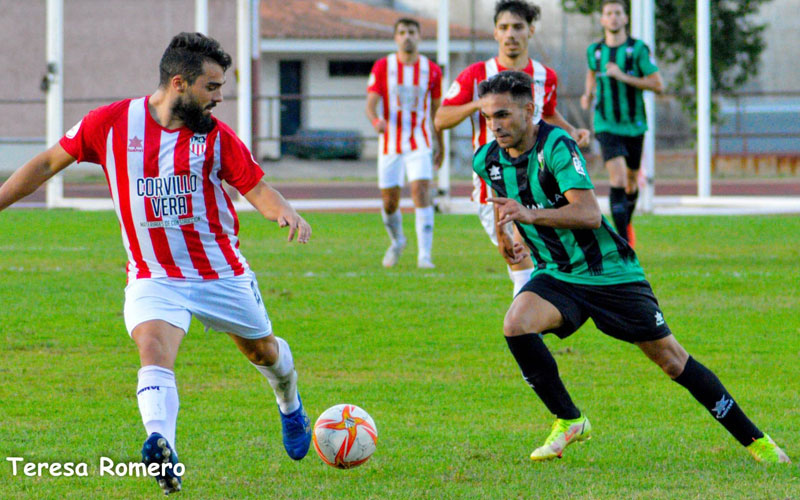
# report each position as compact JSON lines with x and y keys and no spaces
{"x":176,"y":219}
{"x":407,"y":90}
{"x":465,"y":89}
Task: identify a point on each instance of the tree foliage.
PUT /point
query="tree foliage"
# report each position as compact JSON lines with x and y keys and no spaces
{"x":737,"y":42}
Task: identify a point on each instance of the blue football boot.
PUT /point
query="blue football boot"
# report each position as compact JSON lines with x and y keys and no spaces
{"x":296,"y":432}
{"x":156,"y":450}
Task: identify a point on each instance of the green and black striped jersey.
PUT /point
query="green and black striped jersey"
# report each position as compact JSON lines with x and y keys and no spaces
{"x":620,"y":107}
{"x":539,"y":179}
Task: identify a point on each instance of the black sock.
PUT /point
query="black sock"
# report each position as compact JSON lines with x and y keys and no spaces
{"x":619,"y":210}
{"x":631,"y":199}
{"x":709,"y":391}
{"x":541,"y":372}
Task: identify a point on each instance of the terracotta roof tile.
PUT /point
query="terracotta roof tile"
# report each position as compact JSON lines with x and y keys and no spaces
{"x":342,"y":19}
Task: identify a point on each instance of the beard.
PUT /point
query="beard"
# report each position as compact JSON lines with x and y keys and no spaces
{"x":192,"y":116}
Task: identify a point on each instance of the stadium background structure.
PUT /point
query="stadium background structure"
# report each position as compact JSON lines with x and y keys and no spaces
{"x":642,"y":26}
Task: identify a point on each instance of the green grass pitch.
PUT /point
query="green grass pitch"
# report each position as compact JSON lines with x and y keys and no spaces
{"x":421,"y":351}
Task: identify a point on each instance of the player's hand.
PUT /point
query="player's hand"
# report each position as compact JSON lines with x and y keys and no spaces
{"x":510,"y":210}
{"x":297,"y":226}
{"x":513,"y":252}
{"x":379,"y":125}
{"x":438,"y":157}
{"x":613,"y":71}
{"x":581,"y":136}
{"x":586,"y":101}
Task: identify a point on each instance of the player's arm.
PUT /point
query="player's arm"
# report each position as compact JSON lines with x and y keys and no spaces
{"x":273,"y":206}
{"x":589,"y":87}
{"x":652,"y":81}
{"x":450,"y":116}
{"x":510,"y":250}
{"x":581,"y":135}
{"x":582,"y":212}
{"x":33,"y":174}
{"x":378,"y":123}
{"x":438,"y":136}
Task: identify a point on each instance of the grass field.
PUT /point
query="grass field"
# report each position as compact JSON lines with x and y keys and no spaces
{"x":422,"y":351}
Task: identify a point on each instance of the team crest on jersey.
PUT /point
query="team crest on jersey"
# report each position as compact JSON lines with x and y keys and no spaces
{"x":71,"y":133}
{"x":135,"y":145}
{"x":453,"y":91}
{"x":577,"y":163}
{"x":495,"y":173}
{"x":197,"y":145}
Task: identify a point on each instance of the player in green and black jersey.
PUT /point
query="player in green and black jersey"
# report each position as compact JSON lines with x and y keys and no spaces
{"x":583,"y":268}
{"x":620,"y":69}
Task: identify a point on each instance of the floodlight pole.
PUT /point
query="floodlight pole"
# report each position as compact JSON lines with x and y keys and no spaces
{"x":243,"y":63}
{"x":255,"y":58}
{"x":703,"y":99}
{"x":443,"y":59}
{"x":54,"y":191}
{"x":643,"y":28}
{"x":201,"y":16}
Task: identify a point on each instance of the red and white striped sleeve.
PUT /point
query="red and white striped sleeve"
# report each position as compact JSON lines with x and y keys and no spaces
{"x":377,"y":78}
{"x":461,"y":91}
{"x":86,"y":140}
{"x":435,"y":81}
{"x":550,"y":97}
{"x":237,"y":165}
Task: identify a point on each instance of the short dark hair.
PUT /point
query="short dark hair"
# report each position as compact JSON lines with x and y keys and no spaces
{"x":186,"y":54}
{"x":516,"y":83}
{"x":408,"y":22}
{"x":622,"y":3}
{"x":527,"y":11}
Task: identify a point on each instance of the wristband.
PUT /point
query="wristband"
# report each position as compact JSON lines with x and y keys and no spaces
{"x":375,"y":122}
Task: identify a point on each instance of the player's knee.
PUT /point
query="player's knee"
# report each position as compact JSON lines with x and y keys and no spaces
{"x":515,"y":324}
{"x":390,"y":206}
{"x":262,"y":351}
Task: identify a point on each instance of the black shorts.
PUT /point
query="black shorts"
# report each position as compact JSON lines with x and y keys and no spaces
{"x":613,"y":145}
{"x":626,"y":312}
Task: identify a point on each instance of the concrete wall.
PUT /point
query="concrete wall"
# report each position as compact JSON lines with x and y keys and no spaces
{"x":111,"y":51}
{"x":554,"y":27}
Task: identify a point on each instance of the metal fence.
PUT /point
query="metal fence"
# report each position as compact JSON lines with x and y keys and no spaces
{"x":753,"y":127}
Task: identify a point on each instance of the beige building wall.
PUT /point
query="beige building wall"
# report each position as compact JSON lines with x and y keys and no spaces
{"x":111,"y":51}
{"x":778,"y":70}
{"x":781,"y":35}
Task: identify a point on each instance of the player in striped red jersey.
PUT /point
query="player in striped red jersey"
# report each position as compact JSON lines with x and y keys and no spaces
{"x":165,"y":157}
{"x":410,"y":87}
{"x":513,"y":20}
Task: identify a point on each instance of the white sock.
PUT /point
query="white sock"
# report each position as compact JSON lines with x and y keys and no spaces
{"x":519,"y":278}
{"x":282,"y":378}
{"x":158,"y":401}
{"x":394,"y":225}
{"x":423,"y":220}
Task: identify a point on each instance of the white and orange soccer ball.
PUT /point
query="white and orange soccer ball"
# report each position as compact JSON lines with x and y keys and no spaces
{"x":345,"y":436}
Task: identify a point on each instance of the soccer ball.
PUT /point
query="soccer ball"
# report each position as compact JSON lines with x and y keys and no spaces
{"x":345,"y":436}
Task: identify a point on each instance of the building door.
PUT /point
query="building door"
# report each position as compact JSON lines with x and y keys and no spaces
{"x":291,"y":85}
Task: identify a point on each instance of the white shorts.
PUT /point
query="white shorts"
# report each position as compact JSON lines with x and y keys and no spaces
{"x":229,"y":305}
{"x":485,"y":210}
{"x":486,"y":215}
{"x":417,"y":165}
